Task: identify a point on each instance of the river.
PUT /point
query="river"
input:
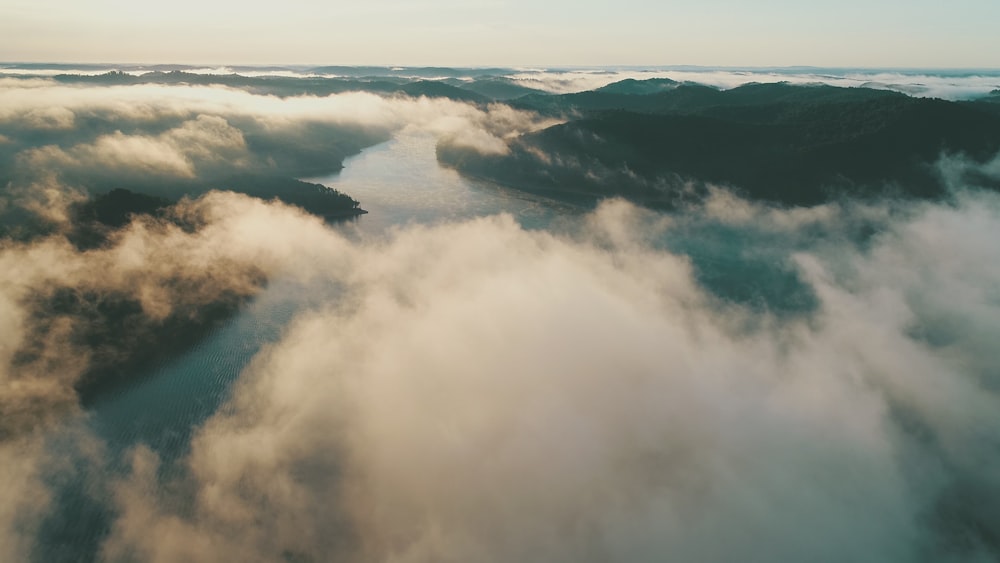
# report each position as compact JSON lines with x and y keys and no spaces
{"x":398,"y":182}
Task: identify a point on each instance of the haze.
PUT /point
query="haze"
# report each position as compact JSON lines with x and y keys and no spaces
{"x":891,"y":33}
{"x":497,"y":281}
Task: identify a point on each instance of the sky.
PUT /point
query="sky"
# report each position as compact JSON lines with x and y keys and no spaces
{"x":853,"y":33}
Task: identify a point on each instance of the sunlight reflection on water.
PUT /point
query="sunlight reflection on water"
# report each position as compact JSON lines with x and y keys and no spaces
{"x":400,"y":182}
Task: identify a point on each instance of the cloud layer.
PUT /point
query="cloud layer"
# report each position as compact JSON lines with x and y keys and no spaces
{"x":149,"y":136}
{"x":478,"y":391}
{"x":486,"y":393}
{"x":954,"y":85}
{"x":68,"y":316}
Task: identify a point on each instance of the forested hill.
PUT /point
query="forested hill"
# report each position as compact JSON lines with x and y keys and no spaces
{"x":660,"y":142}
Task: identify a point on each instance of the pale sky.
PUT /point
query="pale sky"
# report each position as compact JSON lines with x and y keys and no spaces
{"x":865,"y":33}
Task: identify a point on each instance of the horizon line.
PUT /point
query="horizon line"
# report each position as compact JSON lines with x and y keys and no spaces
{"x":537,"y":67}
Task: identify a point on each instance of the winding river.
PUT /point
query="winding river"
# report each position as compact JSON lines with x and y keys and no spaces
{"x":398,"y":182}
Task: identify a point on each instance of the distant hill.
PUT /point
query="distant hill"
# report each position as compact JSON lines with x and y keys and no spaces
{"x":428,"y":73}
{"x":497,"y":88}
{"x":296,"y":86}
{"x":796,"y":145}
{"x":639,"y":87}
{"x":435,"y":89}
{"x":686,"y":98}
{"x":314,"y":198}
{"x":990,"y":101}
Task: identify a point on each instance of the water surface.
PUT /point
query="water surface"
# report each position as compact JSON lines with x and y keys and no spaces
{"x":400,"y":182}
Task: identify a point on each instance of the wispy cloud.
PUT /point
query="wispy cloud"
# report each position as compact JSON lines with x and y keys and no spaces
{"x":952,"y":86}
{"x":493,"y":394}
{"x":478,"y":391}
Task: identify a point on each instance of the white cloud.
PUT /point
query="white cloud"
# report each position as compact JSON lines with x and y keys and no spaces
{"x":486,"y":393}
{"x":149,"y":103}
{"x":951,"y":86}
{"x":202,"y":141}
{"x":482,"y":392}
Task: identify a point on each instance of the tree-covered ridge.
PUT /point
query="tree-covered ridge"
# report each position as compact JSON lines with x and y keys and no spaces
{"x":284,"y":86}
{"x":790,"y":144}
{"x":113,"y":325}
{"x":314,"y":198}
{"x":95,"y":218}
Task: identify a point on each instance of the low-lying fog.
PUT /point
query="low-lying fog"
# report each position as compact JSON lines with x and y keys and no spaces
{"x":732,"y":381}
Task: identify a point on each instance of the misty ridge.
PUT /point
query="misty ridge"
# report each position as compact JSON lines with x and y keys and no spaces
{"x":765,"y":333}
{"x":656,"y":141}
{"x":662,"y":143}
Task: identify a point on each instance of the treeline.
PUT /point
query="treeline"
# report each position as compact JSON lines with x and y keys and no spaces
{"x":662,"y":143}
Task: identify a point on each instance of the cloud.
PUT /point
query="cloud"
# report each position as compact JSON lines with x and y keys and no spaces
{"x":136,"y":135}
{"x":52,"y":292}
{"x":950,"y":86}
{"x":481,"y":392}
{"x":179,"y":139}
{"x":27,"y":497}
{"x":60,"y":318}
{"x":478,"y":391}
{"x":151,"y":104}
{"x":199,"y":142}
{"x":958,"y":172}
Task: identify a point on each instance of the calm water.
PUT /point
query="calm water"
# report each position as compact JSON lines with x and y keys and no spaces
{"x":400,"y":182}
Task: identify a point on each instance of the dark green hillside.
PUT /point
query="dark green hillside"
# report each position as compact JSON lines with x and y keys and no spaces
{"x":434,"y":89}
{"x":497,"y":88}
{"x":790,"y":144}
{"x":671,"y":97}
{"x":639,"y":87}
{"x":314,"y":198}
{"x":289,"y":86}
